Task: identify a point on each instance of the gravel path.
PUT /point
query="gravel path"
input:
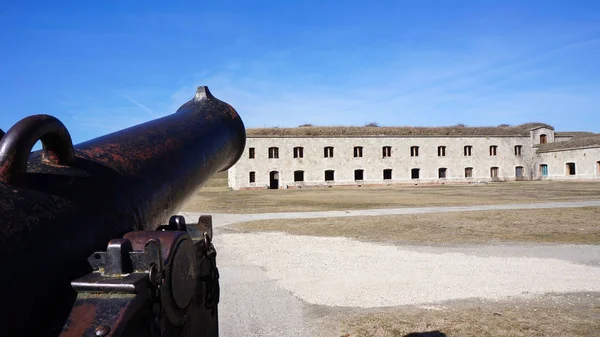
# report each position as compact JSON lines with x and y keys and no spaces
{"x":344,"y":272}
{"x":269,"y":280}
{"x":221,"y":219}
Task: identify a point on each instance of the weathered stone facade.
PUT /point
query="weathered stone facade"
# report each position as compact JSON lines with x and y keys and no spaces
{"x":391,"y":159}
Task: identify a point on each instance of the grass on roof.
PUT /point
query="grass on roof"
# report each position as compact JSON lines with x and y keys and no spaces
{"x":456,"y":130}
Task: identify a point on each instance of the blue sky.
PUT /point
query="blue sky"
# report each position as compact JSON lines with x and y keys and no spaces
{"x":105,"y":65}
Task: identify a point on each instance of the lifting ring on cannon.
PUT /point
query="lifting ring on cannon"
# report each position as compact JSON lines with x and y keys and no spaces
{"x":16,"y":145}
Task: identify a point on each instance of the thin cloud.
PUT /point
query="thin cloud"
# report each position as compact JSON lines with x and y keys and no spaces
{"x":148,"y":110}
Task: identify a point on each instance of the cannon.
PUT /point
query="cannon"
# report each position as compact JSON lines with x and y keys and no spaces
{"x":90,"y":243}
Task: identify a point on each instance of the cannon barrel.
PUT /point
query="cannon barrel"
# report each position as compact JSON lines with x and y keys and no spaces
{"x":60,"y":204}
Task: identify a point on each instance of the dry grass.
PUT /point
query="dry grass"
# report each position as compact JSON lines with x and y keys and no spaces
{"x":455,"y":130}
{"x":554,"y":315}
{"x":562,"y":225}
{"x":218,"y":198}
{"x":218,"y":181}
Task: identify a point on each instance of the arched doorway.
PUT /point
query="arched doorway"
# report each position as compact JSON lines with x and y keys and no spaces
{"x":273,"y":180}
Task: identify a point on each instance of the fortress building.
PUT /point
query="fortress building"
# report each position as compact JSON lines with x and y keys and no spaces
{"x":338,"y":156}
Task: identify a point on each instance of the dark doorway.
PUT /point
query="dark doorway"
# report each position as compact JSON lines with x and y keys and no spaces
{"x":329,"y":175}
{"x":414,"y":173}
{"x":274,"y":180}
{"x":387,"y":174}
{"x":571,"y":169}
{"x":358,"y":174}
{"x":442,"y":172}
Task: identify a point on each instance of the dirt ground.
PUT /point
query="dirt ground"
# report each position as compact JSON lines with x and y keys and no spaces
{"x":562,"y":225}
{"x":216,"y":197}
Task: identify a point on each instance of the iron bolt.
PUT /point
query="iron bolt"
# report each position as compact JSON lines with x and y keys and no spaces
{"x":102,"y":330}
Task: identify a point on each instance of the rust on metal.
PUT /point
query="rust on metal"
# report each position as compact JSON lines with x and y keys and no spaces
{"x":17,"y":143}
{"x":82,"y":317}
{"x":63,"y":203}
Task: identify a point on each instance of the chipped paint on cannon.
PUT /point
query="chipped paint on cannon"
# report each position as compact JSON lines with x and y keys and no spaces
{"x":65,"y":202}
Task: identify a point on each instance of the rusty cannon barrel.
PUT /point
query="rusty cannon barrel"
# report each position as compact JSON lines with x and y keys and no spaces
{"x":61,"y":204}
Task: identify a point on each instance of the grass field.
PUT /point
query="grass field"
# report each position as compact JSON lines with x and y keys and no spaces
{"x":552,"y":315}
{"x":216,"y":197}
{"x":562,"y":225}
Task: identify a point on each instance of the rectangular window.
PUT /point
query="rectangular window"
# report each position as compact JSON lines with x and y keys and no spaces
{"x":544,"y":170}
{"x":251,"y":153}
{"x":273,"y":152}
{"x":387,"y":151}
{"x":543,"y":139}
{"x":359,"y":174}
{"x":414,"y":173}
{"x":468,"y":172}
{"x":571,"y":169}
{"x":298,"y":152}
{"x":358,"y":151}
{"x":494,"y":172}
{"x":467,"y":150}
{"x":414,"y":151}
{"x":329,"y":175}
{"x":518,"y":150}
{"x":298,"y":176}
{"x":493,"y":149}
{"x":441,"y":151}
{"x":328,"y":152}
{"x":598,"y":167}
{"x":387,"y":174}
{"x":442,"y":172}
{"x":252,"y":177}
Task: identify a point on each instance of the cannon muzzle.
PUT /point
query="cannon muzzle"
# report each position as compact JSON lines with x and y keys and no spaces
{"x":60,"y":204}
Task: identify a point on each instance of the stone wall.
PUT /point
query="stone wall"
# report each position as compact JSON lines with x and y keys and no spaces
{"x":343,"y":162}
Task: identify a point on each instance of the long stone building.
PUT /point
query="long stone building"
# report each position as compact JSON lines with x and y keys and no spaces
{"x":340,"y":156}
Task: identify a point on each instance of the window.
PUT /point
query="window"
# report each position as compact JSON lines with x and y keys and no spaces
{"x":543,"y":139}
{"x":518,"y":150}
{"x":414,"y":151}
{"x":387,"y":174}
{"x":442,"y":172}
{"x":414,"y":173}
{"x":493,"y":149}
{"x":387,"y":151}
{"x":252,"y":177}
{"x":494,"y":172}
{"x":544,"y":170}
{"x":298,"y":176}
{"x":328,"y":152}
{"x":251,"y":153}
{"x":598,"y":167}
{"x":467,"y":150}
{"x":441,"y":151}
{"x":570,"y":169}
{"x":329,"y":175}
{"x":468,"y":172}
{"x":358,"y":174}
{"x":519,"y":171}
{"x":298,"y":152}
{"x":273,"y":152}
{"x":358,"y":151}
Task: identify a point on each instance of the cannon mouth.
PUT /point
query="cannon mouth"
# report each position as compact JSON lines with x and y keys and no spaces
{"x":202,"y":97}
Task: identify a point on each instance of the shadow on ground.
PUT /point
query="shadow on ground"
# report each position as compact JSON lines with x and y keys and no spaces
{"x":426,"y":334}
